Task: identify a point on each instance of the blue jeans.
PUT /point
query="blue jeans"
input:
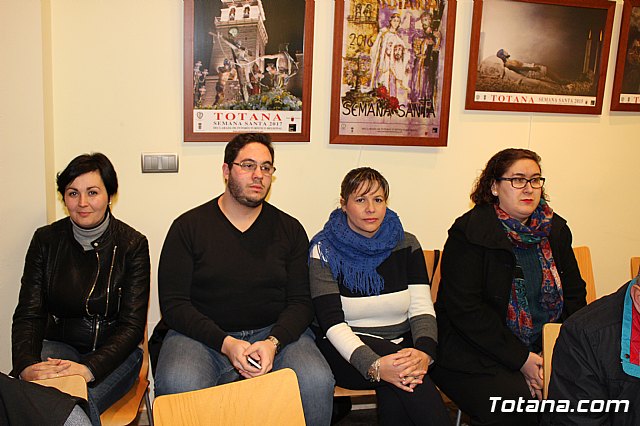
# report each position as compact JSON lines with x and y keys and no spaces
{"x":104,"y":394}
{"x":186,"y":364}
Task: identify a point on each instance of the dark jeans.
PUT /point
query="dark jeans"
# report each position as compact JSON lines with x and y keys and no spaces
{"x":423,"y":406}
{"x":110,"y":389}
{"x":186,"y":364}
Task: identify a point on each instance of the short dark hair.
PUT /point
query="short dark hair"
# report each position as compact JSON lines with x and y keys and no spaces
{"x":86,"y":163}
{"x":363,"y":175}
{"x":240,"y":141}
{"x":495,"y":168}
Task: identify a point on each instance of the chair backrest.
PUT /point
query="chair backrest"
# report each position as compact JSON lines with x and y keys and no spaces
{"x":433,"y":258}
{"x":550,"y":333}
{"x":126,"y":409}
{"x":583,"y":256}
{"x":635,"y":266}
{"x":73,"y":385}
{"x":271,"y":399}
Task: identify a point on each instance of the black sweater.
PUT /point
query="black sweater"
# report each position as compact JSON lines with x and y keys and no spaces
{"x":215,"y":279}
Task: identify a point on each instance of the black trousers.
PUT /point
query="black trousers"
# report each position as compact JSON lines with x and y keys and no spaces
{"x":471,"y":392}
{"x":423,"y":406}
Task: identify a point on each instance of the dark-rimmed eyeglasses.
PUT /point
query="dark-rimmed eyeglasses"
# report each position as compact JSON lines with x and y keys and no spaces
{"x":251,"y":166}
{"x":520,"y":182}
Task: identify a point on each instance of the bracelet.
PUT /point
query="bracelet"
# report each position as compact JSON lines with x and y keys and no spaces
{"x":275,"y":342}
{"x":374,"y":371}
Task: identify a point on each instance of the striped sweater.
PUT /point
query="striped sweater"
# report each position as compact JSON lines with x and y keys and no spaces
{"x":404,"y":305}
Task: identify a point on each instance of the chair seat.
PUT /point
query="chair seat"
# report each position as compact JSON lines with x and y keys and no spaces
{"x":126,"y":409}
{"x":73,"y":385}
{"x":339,"y":391}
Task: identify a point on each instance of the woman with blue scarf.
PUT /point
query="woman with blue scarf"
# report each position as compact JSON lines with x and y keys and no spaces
{"x":371,"y":294}
{"x":507,"y":269}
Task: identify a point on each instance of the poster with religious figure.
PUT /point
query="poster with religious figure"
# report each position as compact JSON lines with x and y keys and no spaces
{"x":247,"y":68}
{"x":392,"y":72}
{"x":626,"y":86}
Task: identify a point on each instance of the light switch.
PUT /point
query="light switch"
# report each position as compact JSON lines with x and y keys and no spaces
{"x":159,"y":162}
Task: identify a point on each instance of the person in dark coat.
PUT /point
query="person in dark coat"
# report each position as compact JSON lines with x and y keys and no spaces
{"x":596,"y":360}
{"x":507,"y":269}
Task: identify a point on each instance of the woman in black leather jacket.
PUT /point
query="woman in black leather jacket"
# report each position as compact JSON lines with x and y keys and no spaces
{"x":83,"y":302}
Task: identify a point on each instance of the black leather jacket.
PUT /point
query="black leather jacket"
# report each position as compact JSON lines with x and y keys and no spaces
{"x":95,"y":301}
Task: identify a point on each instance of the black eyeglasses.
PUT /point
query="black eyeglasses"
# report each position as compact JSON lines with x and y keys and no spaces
{"x":520,"y":182}
{"x":251,"y":166}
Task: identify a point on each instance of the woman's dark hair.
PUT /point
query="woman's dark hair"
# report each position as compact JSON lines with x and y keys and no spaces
{"x":240,"y":141}
{"x":495,"y":168}
{"x":86,"y":163}
{"x":372,"y":179}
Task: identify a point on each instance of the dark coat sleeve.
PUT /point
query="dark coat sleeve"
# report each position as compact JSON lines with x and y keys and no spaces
{"x":30,"y":316}
{"x":26,"y":403}
{"x":575,"y":376}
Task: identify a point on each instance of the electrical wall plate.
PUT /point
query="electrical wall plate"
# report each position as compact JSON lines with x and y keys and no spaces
{"x":159,"y":162}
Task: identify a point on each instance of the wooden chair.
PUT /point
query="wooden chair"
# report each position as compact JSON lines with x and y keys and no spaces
{"x":550,"y":333}
{"x":271,"y":399}
{"x":126,"y":409}
{"x":433,"y":258}
{"x":635,"y":266}
{"x":73,"y":385}
{"x":583,"y":256}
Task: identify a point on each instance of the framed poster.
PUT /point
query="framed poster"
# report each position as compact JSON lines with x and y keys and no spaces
{"x":626,"y":86}
{"x":391,"y":74}
{"x":539,"y":55}
{"x":247,"y":68}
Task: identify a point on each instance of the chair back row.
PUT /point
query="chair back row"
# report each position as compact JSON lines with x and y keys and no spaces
{"x":635,"y":266}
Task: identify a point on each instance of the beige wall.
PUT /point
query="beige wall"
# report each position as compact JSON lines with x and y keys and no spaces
{"x":116,"y":87}
{"x":22,"y":208}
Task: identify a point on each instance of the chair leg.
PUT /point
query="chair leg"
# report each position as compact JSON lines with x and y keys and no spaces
{"x":459,"y":417}
{"x":147,"y":402}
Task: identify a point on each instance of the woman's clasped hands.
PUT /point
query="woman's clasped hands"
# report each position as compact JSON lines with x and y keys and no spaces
{"x":54,"y":367}
{"x":405,"y":368}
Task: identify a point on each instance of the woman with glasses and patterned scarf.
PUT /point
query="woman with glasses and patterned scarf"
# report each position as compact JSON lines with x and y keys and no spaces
{"x":376,"y":322}
{"x":507,"y":269}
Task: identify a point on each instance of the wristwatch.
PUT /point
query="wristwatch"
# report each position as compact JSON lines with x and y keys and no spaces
{"x":275,"y":342}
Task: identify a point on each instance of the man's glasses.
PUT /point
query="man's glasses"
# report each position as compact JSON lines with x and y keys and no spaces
{"x":251,"y":166}
{"x":520,"y":182}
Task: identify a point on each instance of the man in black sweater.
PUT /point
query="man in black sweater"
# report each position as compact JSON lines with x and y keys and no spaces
{"x":234,"y":289}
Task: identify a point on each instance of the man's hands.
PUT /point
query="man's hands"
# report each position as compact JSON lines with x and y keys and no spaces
{"x":263,"y":351}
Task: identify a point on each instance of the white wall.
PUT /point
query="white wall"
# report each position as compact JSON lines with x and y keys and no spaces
{"x":22,"y":208}
{"x":117,"y":87}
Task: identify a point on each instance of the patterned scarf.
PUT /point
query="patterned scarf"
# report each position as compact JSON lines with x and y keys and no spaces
{"x":551,"y":299}
{"x":355,"y":257}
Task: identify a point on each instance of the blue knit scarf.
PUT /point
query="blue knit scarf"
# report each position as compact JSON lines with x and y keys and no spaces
{"x":354,"y":257}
